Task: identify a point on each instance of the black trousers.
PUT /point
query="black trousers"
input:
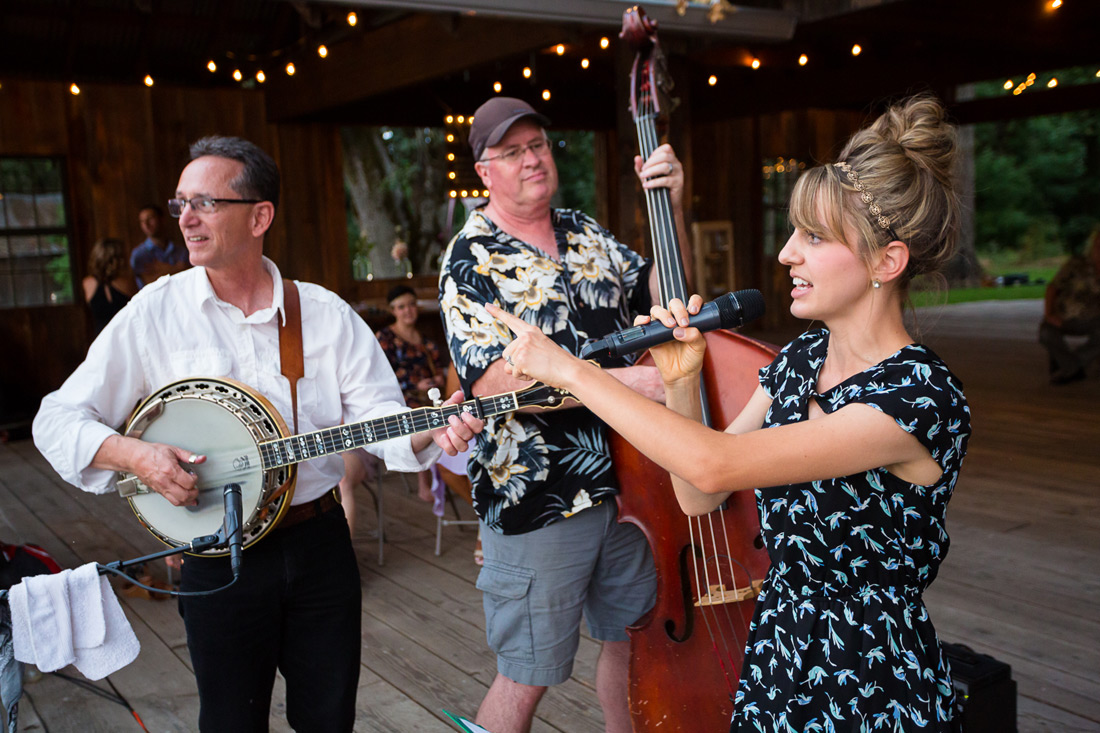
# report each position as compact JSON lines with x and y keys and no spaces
{"x":296,"y":608}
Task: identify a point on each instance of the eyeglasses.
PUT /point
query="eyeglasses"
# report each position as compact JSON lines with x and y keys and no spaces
{"x":202,"y":204}
{"x":539,"y":148}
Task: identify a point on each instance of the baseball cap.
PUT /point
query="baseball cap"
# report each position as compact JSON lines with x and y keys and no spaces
{"x":492,"y":120}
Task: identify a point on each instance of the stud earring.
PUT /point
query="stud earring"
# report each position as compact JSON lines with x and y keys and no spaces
{"x":876,"y":284}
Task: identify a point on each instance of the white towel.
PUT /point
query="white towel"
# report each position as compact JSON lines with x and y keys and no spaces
{"x":119,"y":647}
{"x":41,"y":630}
{"x":71,"y":617}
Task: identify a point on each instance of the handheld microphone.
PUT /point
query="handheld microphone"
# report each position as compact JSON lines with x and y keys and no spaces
{"x":728,"y":311}
{"x":232,"y":528}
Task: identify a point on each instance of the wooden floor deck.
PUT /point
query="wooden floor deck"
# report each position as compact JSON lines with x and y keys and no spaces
{"x":1020,"y":581}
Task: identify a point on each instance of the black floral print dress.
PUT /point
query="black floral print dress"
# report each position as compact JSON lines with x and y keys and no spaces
{"x":840,"y":639}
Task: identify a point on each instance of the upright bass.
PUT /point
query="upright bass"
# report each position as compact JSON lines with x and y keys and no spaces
{"x":686,"y":653}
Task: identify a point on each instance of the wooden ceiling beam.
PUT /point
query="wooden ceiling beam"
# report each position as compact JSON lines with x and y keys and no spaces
{"x":409,"y":52}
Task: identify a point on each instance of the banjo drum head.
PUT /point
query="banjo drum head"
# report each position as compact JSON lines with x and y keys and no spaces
{"x":218,"y":431}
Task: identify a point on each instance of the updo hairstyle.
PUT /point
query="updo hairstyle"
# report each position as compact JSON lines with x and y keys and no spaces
{"x":903,"y":163}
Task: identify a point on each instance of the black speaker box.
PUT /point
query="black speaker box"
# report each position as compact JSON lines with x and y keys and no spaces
{"x":985,"y":693}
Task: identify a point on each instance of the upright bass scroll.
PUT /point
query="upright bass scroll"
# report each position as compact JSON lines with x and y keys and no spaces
{"x":686,"y":653}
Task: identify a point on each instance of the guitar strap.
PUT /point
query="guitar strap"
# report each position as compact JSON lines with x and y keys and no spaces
{"x":290,"y":343}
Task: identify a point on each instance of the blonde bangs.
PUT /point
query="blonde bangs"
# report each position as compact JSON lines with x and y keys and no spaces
{"x":817,"y":205}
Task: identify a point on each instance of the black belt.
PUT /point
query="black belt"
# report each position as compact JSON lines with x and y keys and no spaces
{"x":301,"y":512}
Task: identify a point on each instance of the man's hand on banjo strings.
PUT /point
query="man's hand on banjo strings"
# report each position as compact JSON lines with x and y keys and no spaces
{"x":160,"y":467}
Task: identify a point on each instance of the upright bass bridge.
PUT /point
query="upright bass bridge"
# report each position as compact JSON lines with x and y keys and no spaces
{"x":717,"y":594}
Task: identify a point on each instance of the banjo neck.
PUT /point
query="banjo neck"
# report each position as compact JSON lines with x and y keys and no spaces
{"x":307,"y":446}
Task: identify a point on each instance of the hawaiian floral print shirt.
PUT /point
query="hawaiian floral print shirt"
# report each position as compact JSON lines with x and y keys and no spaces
{"x":530,"y":470}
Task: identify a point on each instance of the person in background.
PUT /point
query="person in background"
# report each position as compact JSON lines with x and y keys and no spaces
{"x":1072,"y":308}
{"x":156,"y":256}
{"x":109,"y":284}
{"x":417,"y":362}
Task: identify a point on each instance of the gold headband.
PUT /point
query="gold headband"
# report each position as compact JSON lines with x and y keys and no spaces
{"x":876,"y":211}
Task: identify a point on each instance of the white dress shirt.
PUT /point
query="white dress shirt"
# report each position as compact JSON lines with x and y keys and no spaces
{"x":177,"y":328}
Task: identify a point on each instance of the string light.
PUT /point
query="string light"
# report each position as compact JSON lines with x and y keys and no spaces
{"x":803,"y":59}
{"x":546,"y":94}
{"x":450,"y":138}
{"x":237,"y":76}
{"x":756,"y":63}
{"x":497,"y":86}
{"x":1008,"y":85}
{"x":712,"y":80}
{"x":74,"y":89}
{"x":1055,"y":4}
{"x":584,"y":63}
{"x":449,"y":119}
{"x":485,"y":193}
{"x":470,"y":120}
{"x":559,"y":49}
{"x":604,"y":43}
{"x":290,"y":69}
{"x":261,"y":76}
{"x":454,"y":193}
{"x":1052,"y":83}
{"x":352,"y":19}
{"x":211,"y":66}
{"x":464,"y":193}
{"x":857,"y":49}
{"x":148,"y":80}
{"x":451,"y":175}
{"x":450,"y":156}
{"x":460,"y":119}
{"x":322,"y":51}
{"x":526,"y":72}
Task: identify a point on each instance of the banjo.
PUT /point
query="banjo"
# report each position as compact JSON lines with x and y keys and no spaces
{"x":246,"y":442}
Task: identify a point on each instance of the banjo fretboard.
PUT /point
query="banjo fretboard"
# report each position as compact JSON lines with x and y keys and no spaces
{"x":307,"y":446}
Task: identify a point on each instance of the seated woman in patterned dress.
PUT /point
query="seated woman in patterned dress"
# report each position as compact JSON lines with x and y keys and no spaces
{"x":856,"y":431}
{"x":417,"y":362}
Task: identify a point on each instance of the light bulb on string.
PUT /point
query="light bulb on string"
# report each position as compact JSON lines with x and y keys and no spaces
{"x":559,"y":49}
{"x":148,"y":80}
{"x":857,"y":49}
{"x":526,"y":72}
{"x":352,"y":19}
{"x":74,"y":89}
{"x":290,"y":69}
{"x":237,"y":75}
{"x":584,"y":63}
{"x":755,"y":63}
{"x":546,"y":94}
{"x":497,"y":87}
{"x":803,"y":60}
{"x":322,"y":51}
{"x":261,"y":76}
{"x":712,"y":80}
{"x":604,"y":42}
{"x":211,"y":66}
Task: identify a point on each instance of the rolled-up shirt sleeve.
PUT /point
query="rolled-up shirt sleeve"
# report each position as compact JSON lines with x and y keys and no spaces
{"x":92,"y":404}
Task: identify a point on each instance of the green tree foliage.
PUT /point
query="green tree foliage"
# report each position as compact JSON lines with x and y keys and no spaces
{"x":1037,"y":180}
{"x":574,"y":155}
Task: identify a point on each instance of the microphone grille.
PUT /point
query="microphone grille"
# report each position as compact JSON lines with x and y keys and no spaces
{"x":738,"y":308}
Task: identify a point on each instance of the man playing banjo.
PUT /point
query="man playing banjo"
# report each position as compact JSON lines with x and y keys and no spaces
{"x":296,"y":605}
